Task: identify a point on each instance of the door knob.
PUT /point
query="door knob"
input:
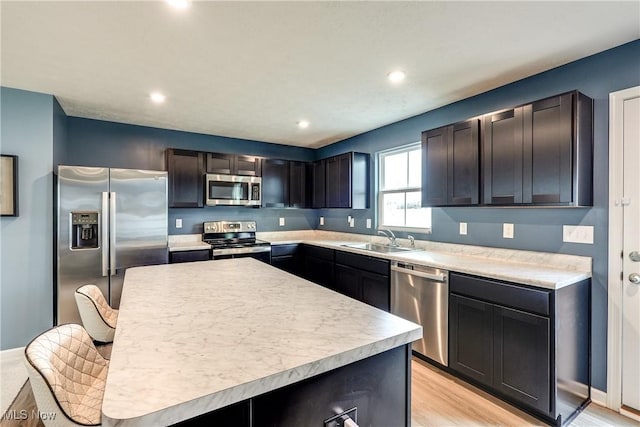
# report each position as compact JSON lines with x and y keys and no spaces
{"x":634,"y":278}
{"x":634,"y":256}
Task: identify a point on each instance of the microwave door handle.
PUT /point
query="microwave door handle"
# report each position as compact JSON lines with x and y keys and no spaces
{"x":104,"y":233}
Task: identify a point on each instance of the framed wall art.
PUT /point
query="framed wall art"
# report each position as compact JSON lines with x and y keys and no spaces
{"x":8,"y":185}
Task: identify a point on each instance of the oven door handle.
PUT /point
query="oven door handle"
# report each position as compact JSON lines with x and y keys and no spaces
{"x":240,"y":251}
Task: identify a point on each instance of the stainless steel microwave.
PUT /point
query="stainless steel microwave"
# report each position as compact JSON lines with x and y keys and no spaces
{"x":233,"y":190}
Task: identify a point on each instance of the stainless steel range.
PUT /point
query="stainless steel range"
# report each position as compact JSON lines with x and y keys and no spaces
{"x":235,"y":239}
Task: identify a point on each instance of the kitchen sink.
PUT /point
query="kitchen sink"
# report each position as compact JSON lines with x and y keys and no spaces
{"x":377,"y":247}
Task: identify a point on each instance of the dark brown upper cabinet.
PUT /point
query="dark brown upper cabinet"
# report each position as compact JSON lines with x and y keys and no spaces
{"x":318,"y":191}
{"x":284,"y":184}
{"x":186,"y":178}
{"x":298,"y":184}
{"x":558,"y":150}
{"x":347,"y":181}
{"x":450,"y":159}
{"x":540,"y":153}
{"x":502,"y":162}
{"x":275,"y":183}
{"x":233,"y":164}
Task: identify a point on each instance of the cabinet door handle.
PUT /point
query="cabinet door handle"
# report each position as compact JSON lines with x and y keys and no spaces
{"x":634,"y":278}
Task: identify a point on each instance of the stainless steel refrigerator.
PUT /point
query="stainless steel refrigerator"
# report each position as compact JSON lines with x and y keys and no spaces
{"x":107,"y":221}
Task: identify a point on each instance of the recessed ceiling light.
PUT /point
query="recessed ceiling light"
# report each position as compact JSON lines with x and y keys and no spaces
{"x":396,"y":76}
{"x":303,"y":124}
{"x":157,"y":97}
{"x":179,"y":4}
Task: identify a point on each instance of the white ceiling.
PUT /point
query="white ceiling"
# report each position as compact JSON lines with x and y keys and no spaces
{"x":253,"y":69}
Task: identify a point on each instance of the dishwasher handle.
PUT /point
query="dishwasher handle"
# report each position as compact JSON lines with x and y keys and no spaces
{"x":439,"y":277}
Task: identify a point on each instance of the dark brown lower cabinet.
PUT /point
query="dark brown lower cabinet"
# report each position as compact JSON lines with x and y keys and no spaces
{"x":363,"y":278}
{"x":471,"y":338}
{"x":522,"y":358}
{"x":379,"y":388}
{"x":529,"y":346}
{"x":318,"y":265}
{"x":347,"y":281}
{"x":376,"y":290}
{"x":287,"y":257}
{"x":189,"y":256}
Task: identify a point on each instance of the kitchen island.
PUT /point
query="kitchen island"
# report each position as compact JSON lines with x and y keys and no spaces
{"x":269,"y":347}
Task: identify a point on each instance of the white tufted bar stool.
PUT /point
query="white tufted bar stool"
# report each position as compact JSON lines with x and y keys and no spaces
{"x":67,"y":375}
{"x":98,"y":318}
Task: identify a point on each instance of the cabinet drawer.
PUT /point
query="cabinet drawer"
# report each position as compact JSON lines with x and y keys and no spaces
{"x":189,"y":256}
{"x":362,"y":262}
{"x":317,"y":252}
{"x":510,"y":295}
{"x":282,"y":250}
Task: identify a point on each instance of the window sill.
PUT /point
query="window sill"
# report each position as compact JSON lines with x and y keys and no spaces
{"x":405,"y":229}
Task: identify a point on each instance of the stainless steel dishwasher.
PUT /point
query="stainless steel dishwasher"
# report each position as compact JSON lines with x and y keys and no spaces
{"x":421,"y":294}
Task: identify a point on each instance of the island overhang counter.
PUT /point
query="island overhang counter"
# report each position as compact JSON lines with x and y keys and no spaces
{"x":195,"y":338}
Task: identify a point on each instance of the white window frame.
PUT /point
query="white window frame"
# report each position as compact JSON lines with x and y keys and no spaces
{"x":380,"y":192}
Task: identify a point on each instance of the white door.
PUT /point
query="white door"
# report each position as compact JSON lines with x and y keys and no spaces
{"x":631,"y":255}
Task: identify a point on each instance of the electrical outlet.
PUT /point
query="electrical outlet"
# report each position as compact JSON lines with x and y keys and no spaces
{"x":349,"y":218}
{"x":281,"y":222}
{"x":178,"y":222}
{"x":577,"y":234}
{"x":507,"y":231}
{"x":321,"y":220}
{"x":463,"y":228}
{"x":352,"y":222}
{"x":368,"y":222}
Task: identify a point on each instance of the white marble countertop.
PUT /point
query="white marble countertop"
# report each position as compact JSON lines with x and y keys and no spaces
{"x":545,"y":270}
{"x":541,"y":269}
{"x":187,"y":242}
{"x":195,"y":337}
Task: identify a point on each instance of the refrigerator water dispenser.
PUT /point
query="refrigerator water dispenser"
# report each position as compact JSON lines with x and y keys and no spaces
{"x":84,"y":230}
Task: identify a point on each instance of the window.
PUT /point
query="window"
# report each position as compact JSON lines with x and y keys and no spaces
{"x":400,"y":196}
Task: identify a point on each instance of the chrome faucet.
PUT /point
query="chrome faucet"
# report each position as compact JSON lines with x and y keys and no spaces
{"x":389,"y":235}
{"x":412,"y":240}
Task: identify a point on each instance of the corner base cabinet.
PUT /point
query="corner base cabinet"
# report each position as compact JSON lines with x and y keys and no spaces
{"x":529,"y":346}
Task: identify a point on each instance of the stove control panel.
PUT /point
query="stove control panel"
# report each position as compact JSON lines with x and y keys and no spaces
{"x":229,"y":226}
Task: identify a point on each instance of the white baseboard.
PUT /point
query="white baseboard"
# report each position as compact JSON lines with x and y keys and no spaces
{"x":599,"y":397}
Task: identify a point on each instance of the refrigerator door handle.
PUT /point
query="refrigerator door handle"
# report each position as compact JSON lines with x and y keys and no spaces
{"x":112,"y":233}
{"x":104,"y":233}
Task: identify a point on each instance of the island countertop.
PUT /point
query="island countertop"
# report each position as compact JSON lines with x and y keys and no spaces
{"x":196,"y":337}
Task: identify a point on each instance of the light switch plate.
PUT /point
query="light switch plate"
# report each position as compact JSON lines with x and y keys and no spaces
{"x":178,"y":222}
{"x":321,"y":220}
{"x":349,"y":219}
{"x":507,"y":230}
{"x":352,"y":222}
{"x":577,"y":234}
{"x":281,"y":222}
{"x":463,"y":228}
{"x":368,"y":222}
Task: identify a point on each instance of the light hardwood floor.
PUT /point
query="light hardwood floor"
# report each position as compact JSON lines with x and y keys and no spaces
{"x":438,"y":400}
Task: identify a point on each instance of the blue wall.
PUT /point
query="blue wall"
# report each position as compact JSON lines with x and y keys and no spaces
{"x":108,"y":144}
{"x":26,"y":248}
{"x":538,"y":229}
